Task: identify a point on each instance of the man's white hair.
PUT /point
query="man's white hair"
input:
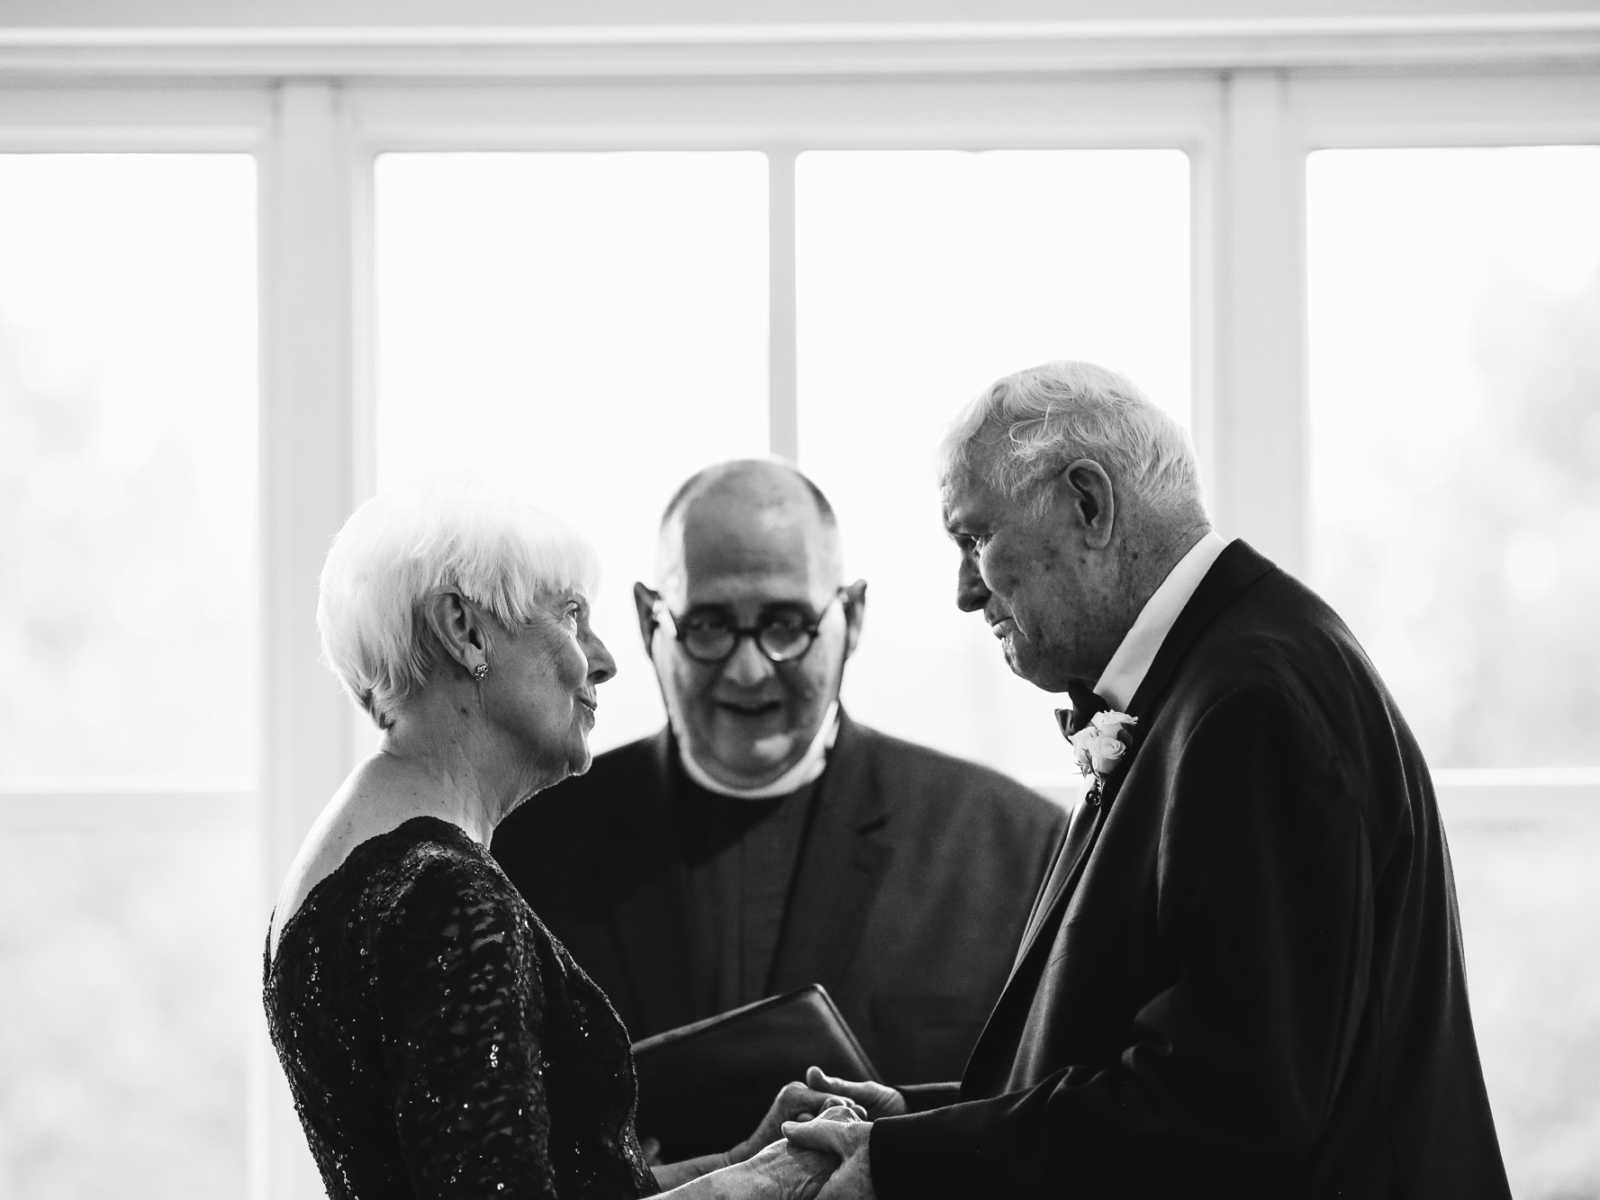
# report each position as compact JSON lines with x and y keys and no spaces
{"x":401,"y":547}
{"x":1045,"y":417}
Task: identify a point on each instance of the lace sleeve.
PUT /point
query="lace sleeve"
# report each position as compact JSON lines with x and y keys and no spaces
{"x":463,"y":1006}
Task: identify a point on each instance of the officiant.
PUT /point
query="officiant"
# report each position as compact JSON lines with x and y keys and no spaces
{"x":764,"y":840}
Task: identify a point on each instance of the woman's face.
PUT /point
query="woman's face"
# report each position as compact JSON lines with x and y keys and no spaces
{"x":544,"y":682}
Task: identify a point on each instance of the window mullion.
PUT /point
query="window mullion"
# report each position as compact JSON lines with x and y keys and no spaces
{"x":782,"y":353}
{"x":307,"y":333}
{"x":1260,"y":480}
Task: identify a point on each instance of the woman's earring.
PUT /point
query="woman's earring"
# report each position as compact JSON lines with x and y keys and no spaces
{"x":479,"y":671}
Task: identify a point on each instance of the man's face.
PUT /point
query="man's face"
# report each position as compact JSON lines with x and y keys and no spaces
{"x":1033,"y":580}
{"x":747,"y":719}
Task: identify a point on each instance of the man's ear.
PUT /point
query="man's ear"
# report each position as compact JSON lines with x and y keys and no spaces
{"x":644,"y":603}
{"x":855,"y":612}
{"x":458,"y":627}
{"x":1083,"y":496}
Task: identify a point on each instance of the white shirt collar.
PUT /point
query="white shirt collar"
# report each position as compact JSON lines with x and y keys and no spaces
{"x":1129,"y":665}
{"x":806,"y":770}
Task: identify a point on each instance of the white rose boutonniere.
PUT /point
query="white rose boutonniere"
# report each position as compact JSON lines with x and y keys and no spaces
{"x":1102,"y":744}
{"x":1110,"y":721}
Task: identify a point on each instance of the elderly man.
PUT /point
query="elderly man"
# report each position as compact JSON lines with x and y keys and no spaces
{"x":1244,"y":974}
{"x":763,"y":840}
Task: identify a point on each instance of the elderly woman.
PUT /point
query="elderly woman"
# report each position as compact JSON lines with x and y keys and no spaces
{"x":437,"y":1039}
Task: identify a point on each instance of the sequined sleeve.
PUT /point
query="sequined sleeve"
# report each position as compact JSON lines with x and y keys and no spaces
{"x":464,"y":1011}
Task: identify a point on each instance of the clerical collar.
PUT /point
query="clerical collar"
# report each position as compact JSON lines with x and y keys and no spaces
{"x":806,"y":770}
{"x":1131,"y":663}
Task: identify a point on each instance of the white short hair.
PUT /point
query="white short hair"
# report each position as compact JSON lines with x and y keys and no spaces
{"x":403,"y":546}
{"x":1047,"y":416}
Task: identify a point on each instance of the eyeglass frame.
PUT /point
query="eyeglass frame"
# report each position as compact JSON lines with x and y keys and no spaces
{"x":658,"y":608}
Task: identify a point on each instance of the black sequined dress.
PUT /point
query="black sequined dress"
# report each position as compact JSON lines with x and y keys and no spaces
{"x":440,"y":1042}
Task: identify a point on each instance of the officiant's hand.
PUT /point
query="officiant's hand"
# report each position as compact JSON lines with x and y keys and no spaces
{"x":795,"y":1102}
{"x":879,"y":1100}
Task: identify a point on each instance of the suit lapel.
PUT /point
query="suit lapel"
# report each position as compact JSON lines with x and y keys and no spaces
{"x":650,"y":922}
{"x":1081,"y":832}
{"x":1236,"y":569}
{"x":841,"y":864}
{"x":997,"y":1044}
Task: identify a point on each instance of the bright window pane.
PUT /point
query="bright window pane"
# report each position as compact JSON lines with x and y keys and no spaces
{"x":128,"y":628}
{"x":132,"y":974}
{"x":1455,"y":392}
{"x":924,"y":276}
{"x":1530,"y":916}
{"x":591,"y":327}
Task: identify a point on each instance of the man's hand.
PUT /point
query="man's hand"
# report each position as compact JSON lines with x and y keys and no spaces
{"x":795,"y":1102}
{"x":878,"y":1099}
{"x":848,"y":1139}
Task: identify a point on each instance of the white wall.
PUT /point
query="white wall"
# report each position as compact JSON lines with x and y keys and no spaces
{"x":281,"y":13}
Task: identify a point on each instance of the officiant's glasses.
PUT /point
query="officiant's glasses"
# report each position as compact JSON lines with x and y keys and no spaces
{"x":709,"y":635}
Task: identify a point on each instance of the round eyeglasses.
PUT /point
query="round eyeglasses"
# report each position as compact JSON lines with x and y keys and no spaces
{"x":710,"y":635}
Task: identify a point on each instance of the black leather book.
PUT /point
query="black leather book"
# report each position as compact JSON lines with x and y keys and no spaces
{"x":704,"y":1087}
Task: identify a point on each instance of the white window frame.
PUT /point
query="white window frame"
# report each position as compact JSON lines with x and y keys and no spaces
{"x":304,"y":452}
{"x":1319,"y":109}
{"x":1247,"y":102}
{"x":780,"y":119}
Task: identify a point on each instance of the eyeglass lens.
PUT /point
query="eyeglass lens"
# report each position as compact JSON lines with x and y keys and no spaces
{"x":713,"y":640}
{"x":711,"y":637}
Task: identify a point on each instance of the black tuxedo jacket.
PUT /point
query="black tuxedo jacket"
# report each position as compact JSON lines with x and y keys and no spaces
{"x":1244,"y":975}
{"x":909,"y":899}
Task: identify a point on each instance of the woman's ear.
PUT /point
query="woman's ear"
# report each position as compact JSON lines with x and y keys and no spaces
{"x":457,"y":626}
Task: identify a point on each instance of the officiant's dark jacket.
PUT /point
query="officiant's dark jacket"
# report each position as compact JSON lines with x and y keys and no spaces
{"x":1244,"y":976}
{"x":910,"y":891}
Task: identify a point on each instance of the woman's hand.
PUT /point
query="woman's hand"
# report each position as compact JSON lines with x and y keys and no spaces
{"x":782,"y":1171}
{"x":795,"y":1102}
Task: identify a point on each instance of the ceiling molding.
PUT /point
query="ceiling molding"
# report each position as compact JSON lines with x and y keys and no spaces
{"x":565,"y":52}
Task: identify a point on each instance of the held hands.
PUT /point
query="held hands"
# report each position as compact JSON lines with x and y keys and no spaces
{"x":824,"y":1156}
{"x":787,"y":1171}
{"x":795,"y":1102}
{"x":841,"y":1136}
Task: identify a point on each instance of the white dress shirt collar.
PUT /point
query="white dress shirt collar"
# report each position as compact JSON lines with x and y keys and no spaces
{"x":809,"y":767}
{"x":1129,"y":665}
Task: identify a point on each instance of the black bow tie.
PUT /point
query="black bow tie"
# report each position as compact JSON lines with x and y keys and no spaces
{"x":1085,"y":706}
